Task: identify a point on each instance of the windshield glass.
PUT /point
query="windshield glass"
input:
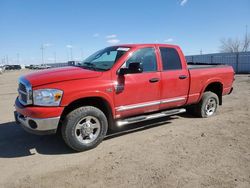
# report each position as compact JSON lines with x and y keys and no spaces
{"x":103,"y":60}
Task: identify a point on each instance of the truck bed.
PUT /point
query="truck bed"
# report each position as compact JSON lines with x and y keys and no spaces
{"x":198,"y":65}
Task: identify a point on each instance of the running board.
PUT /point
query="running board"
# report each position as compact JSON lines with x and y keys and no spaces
{"x":136,"y":119}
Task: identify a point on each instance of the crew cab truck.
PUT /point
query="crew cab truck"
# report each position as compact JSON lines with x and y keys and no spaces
{"x":116,"y":86}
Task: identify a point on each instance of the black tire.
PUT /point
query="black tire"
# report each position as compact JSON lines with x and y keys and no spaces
{"x":72,"y":120}
{"x":202,"y":108}
{"x":191,"y":109}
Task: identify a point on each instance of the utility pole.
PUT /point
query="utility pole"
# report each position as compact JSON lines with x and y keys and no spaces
{"x":201,"y":52}
{"x":71,"y":54}
{"x":247,"y":39}
{"x":42,"y":48}
{"x":246,"y":30}
{"x":7,"y":59}
{"x":70,"y":47}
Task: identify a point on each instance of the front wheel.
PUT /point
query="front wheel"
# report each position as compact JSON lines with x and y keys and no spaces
{"x":208,"y":105}
{"x":84,"y":128}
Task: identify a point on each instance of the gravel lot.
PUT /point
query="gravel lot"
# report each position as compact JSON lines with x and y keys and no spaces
{"x":179,"y":151}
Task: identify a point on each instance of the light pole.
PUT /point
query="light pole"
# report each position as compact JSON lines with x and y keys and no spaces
{"x":70,"y":47}
{"x":7,"y":59}
{"x":71,"y":54}
{"x":42,"y":48}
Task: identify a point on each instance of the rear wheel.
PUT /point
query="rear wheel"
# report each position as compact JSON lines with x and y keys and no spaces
{"x":84,"y":128}
{"x":207,"y":106}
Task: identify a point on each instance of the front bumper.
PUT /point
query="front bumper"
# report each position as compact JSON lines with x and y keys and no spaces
{"x":39,"y":126}
{"x":36,"y":119}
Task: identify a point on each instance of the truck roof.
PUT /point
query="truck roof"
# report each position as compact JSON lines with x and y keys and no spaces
{"x":149,"y":44}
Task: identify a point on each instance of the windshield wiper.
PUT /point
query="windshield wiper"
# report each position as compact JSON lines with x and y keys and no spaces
{"x":91,"y":66}
{"x":88,"y":65}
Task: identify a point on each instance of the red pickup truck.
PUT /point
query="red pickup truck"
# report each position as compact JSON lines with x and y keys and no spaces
{"x":116,"y":86}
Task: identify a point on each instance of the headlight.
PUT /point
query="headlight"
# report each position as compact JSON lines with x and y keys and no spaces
{"x":47,"y":97}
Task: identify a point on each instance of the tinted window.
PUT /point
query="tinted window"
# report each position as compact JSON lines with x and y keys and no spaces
{"x":145,"y":56}
{"x":170,"y":59}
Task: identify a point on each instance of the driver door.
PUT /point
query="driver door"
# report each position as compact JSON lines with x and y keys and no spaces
{"x":138,"y":93}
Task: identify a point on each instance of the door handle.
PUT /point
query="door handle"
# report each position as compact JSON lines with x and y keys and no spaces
{"x":152,"y":80}
{"x":182,"y":77}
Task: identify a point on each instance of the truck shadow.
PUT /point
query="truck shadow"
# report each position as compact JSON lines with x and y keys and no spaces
{"x":188,"y":115}
{"x":15,"y":142}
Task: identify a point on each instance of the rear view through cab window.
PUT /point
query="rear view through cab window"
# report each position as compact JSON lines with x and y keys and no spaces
{"x":170,"y":59}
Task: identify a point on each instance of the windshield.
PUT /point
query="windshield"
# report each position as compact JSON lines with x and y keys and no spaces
{"x":103,"y":60}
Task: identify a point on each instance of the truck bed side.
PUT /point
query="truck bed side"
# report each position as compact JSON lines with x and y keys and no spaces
{"x":218,"y":78}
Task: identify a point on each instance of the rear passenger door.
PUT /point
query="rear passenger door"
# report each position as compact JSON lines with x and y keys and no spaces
{"x":174,"y":79}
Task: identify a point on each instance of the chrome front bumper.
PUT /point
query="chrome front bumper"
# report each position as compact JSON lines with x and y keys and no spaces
{"x":40,"y":126}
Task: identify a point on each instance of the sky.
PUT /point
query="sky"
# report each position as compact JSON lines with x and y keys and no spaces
{"x":81,"y":27}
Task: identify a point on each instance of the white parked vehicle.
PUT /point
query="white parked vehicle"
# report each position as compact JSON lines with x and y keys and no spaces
{"x":42,"y":66}
{"x":1,"y":70}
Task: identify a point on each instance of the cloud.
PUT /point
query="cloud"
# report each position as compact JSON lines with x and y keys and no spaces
{"x":96,"y":35}
{"x":183,"y":2}
{"x":113,"y":41}
{"x":111,"y":36}
{"x":69,"y":46}
{"x":169,"y":40}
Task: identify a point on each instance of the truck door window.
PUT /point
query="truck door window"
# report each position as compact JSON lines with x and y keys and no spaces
{"x":146,"y":56}
{"x":170,"y":59}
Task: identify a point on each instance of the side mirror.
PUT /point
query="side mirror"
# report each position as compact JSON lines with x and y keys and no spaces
{"x":133,"y":68}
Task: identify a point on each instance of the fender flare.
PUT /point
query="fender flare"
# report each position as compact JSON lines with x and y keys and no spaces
{"x":91,"y":94}
{"x":207,"y":83}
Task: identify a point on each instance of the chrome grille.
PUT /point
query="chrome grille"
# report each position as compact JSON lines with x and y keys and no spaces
{"x":24,"y":92}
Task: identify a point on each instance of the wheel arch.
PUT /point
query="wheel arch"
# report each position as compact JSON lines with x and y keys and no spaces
{"x":96,"y":101}
{"x":215,"y":87}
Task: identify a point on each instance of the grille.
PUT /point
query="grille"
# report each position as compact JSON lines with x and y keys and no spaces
{"x":25,"y":92}
{"x":22,"y":87}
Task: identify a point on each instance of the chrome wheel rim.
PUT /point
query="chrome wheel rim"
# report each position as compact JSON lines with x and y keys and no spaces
{"x":210,"y":107}
{"x":87,"y":129}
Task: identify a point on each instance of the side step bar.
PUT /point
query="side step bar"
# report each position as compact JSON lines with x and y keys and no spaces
{"x":136,"y":119}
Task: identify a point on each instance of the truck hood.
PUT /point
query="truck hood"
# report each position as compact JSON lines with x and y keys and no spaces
{"x":59,"y":75}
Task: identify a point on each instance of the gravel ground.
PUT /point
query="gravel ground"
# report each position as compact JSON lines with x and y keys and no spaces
{"x":179,"y":151}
